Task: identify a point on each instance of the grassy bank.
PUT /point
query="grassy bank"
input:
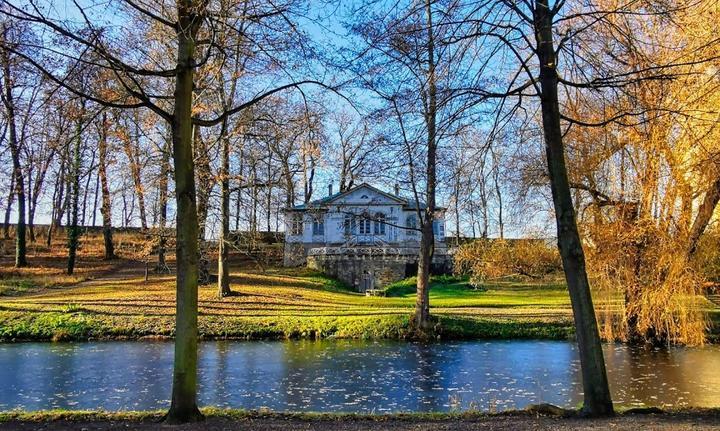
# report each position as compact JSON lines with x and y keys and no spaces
{"x":278,"y":304}
{"x":113,"y":301}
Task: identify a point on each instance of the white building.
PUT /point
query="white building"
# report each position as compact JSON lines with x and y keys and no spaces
{"x":363,"y":236}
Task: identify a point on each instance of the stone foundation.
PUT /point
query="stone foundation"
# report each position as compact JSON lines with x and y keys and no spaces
{"x":295,"y":253}
{"x":368,"y":271}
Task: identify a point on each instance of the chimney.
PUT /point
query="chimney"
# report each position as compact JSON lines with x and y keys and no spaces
{"x":397,"y":189}
{"x":330,"y":189}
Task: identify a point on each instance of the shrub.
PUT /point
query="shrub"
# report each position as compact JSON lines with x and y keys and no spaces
{"x":491,"y":259}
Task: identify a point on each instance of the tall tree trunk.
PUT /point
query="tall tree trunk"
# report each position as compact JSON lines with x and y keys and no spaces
{"x":9,"y":102}
{"x":224,"y":239}
{"x":95,"y":199}
{"x":86,"y":191}
{"x":163,"y":197}
{"x":74,"y":230}
{"x":204,"y":176}
{"x":58,"y":188}
{"x":30,"y":196}
{"x":427,"y":240}
{"x":105,"y":209}
{"x":62,"y":189}
{"x":8,"y":207}
{"x":457,"y":209}
{"x":134,"y":159}
{"x":183,"y":407}
{"x":241,"y":181}
{"x":501,"y":223}
{"x":269,"y":189}
{"x":37,"y":187}
{"x":253,"y":180}
{"x":597,"y":400}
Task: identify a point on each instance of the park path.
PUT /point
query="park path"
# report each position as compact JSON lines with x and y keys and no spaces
{"x":124,"y":271}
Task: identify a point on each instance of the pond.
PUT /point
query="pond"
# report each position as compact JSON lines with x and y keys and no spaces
{"x":349,"y":376}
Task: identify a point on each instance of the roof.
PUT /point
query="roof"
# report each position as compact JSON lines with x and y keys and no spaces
{"x":406,"y":203}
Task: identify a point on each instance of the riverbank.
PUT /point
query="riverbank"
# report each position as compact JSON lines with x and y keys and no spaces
{"x":246,"y":420}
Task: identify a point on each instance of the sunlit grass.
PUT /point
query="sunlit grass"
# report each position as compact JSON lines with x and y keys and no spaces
{"x":281,"y":303}
{"x":41,"y":303}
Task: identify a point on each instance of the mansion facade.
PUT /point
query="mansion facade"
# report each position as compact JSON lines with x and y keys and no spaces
{"x":363,"y":236}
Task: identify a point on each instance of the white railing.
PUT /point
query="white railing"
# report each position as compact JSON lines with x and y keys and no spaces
{"x":361,"y":250}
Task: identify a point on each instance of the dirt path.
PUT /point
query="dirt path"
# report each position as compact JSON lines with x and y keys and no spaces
{"x":127,"y":270}
{"x":635,"y":422}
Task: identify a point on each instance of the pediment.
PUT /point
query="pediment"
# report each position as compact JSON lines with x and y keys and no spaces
{"x":365,"y":194}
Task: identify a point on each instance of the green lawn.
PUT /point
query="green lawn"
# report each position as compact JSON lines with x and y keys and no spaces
{"x":278,"y":303}
{"x":282,"y":303}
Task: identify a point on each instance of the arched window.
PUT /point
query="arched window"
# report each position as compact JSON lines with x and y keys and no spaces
{"x":379,"y":224}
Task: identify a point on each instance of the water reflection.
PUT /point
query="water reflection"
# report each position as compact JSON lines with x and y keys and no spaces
{"x":350,"y":375}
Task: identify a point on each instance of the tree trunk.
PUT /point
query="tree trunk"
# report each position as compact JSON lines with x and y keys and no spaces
{"x":95,"y":199}
{"x":457,"y":209}
{"x":36,"y":189}
{"x":496,"y":180}
{"x":163,"y":197}
{"x":597,"y":400}
{"x":105,"y":209}
{"x":224,"y":239}
{"x":30,"y":199}
{"x":427,"y":241}
{"x":55,"y":207}
{"x":241,"y":182}
{"x":86,"y":191}
{"x":62,"y":189}
{"x":8,"y":208}
{"x":74,"y":230}
{"x":204,"y":176}
{"x":20,"y":246}
{"x":704,"y":214}
{"x":269,"y":189}
{"x":183,"y":406}
{"x":134,"y":159}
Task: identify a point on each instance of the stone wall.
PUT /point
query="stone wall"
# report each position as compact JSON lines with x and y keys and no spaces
{"x":361,"y":272}
{"x":364,"y":272}
{"x":295,"y":253}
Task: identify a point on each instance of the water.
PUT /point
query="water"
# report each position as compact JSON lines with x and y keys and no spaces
{"x":349,"y":376}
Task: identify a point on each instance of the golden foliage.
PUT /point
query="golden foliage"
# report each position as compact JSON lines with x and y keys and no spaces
{"x":646,"y":286}
{"x":492,"y":259}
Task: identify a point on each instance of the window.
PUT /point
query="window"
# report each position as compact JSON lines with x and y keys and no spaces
{"x":379,"y":224}
{"x":411,"y":224}
{"x":296,"y":224}
{"x":365,"y":226}
{"x":349,"y":225}
{"x":438,"y":228}
{"x":318,"y":226}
